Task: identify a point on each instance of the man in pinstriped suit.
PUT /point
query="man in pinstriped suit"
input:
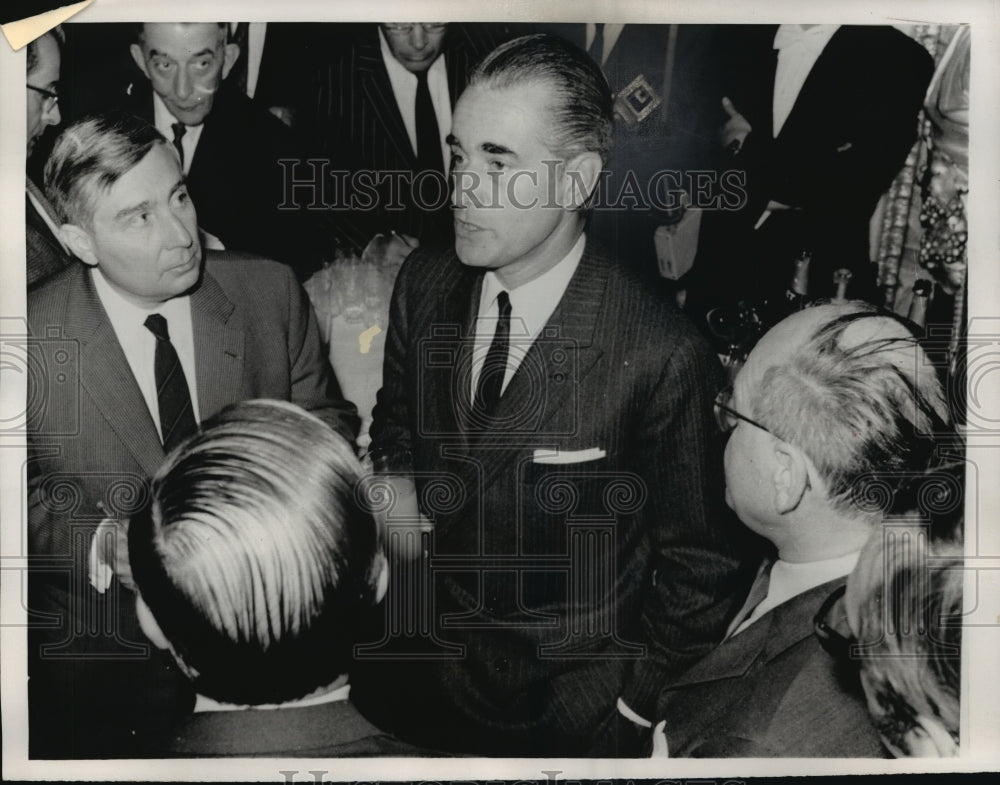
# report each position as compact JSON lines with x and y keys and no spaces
{"x":583,"y":555}
{"x":365,"y":120}
{"x":242,"y":328}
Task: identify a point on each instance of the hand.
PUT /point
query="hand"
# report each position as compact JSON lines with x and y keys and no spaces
{"x":109,"y":556}
{"x":734,"y":132}
{"x":389,"y":249}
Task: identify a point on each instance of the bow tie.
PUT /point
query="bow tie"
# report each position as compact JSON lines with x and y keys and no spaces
{"x":794,"y":34}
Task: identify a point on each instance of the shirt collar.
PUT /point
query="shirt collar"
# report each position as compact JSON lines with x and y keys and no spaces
{"x":814,"y":38}
{"x":122,"y":310}
{"x":544,"y":291}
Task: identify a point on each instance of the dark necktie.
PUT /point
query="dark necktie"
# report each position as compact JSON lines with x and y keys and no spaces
{"x":429,"y":154}
{"x":758,"y":592}
{"x":176,"y":414}
{"x":494,"y":367}
{"x":596,"y":50}
{"x":179,"y":130}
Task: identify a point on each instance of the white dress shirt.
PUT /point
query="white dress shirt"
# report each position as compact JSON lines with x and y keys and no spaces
{"x":404,"y":87}
{"x":790,"y":579}
{"x":531,"y":305}
{"x":798,"y":51}
{"x":139,"y":344}
{"x":164,"y":121}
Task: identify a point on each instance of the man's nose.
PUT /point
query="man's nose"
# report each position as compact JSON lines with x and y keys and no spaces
{"x":418,"y":37}
{"x":52,"y":116}
{"x":178,"y":235}
{"x":183,"y":84}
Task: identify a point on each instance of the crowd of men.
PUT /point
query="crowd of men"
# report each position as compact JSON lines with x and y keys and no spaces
{"x":619,"y":555}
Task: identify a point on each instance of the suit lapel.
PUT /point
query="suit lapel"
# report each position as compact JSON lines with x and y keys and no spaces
{"x":569,"y":331}
{"x":378,"y":90}
{"x":106,"y":375}
{"x":218,"y":346}
{"x":765,"y":639}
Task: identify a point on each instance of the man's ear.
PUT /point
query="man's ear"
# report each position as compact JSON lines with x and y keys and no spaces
{"x":791,"y":477}
{"x":139,"y":58}
{"x":232,"y":54}
{"x":148,"y":624}
{"x":80,"y":243}
{"x":579,"y":180}
{"x":381,"y":566}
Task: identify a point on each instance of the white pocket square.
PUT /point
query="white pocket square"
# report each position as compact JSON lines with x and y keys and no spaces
{"x":568,"y":456}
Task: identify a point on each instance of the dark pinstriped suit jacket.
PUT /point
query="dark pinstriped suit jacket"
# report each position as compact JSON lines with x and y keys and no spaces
{"x":567,"y":585}
{"x":360,"y":128}
{"x":93,"y":445}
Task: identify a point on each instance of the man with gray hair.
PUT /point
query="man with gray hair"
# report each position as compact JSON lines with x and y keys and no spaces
{"x":832,"y":399}
{"x":138,"y":342}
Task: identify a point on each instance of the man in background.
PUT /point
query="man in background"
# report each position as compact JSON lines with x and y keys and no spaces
{"x":818,"y":120}
{"x":230,"y":148}
{"x":383,"y":108}
{"x":46,"y":252}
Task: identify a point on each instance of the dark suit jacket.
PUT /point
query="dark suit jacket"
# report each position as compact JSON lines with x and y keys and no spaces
{"x":92,"y":447}
{"x":634,"y":198}
{"x":238,"y":184}
{"x":528,"y":556}
{"x":771,"y":691}
{"x":45,"y":256}
{"x":360,"y":128}
{"x":844,"y":141}
{"x":329,"y":730}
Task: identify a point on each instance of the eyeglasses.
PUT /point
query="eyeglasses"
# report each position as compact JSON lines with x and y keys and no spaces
{"x":407,"y":27}
{"x":835,"y":643}
{"x":726,"y":416}
{"x":51,"y":98}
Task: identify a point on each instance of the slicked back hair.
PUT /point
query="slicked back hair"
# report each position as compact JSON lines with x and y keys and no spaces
{"x":90,"y":156}
{"x":581,"y":112}
{"x":860,"y":409}
{"x":255,"y":558}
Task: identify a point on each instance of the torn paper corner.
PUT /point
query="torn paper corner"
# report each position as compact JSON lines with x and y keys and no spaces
{"x":22,"y":32}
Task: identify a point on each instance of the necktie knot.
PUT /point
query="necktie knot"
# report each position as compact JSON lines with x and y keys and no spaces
{"x":157,"y":325}
{"x":503,"y":305}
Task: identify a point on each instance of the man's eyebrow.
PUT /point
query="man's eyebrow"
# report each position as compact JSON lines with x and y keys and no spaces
{"x":181,"y":183}
{"x":157,"y":53}
{"x":128,"y":212}
{"x":496,"y":149}
{"x":452,"y":140}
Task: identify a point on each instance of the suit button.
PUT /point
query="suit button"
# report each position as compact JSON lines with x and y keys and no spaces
{"x":502,"y":665}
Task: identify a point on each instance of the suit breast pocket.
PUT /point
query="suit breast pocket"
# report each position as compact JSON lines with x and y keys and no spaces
{"x":555,"y":497}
